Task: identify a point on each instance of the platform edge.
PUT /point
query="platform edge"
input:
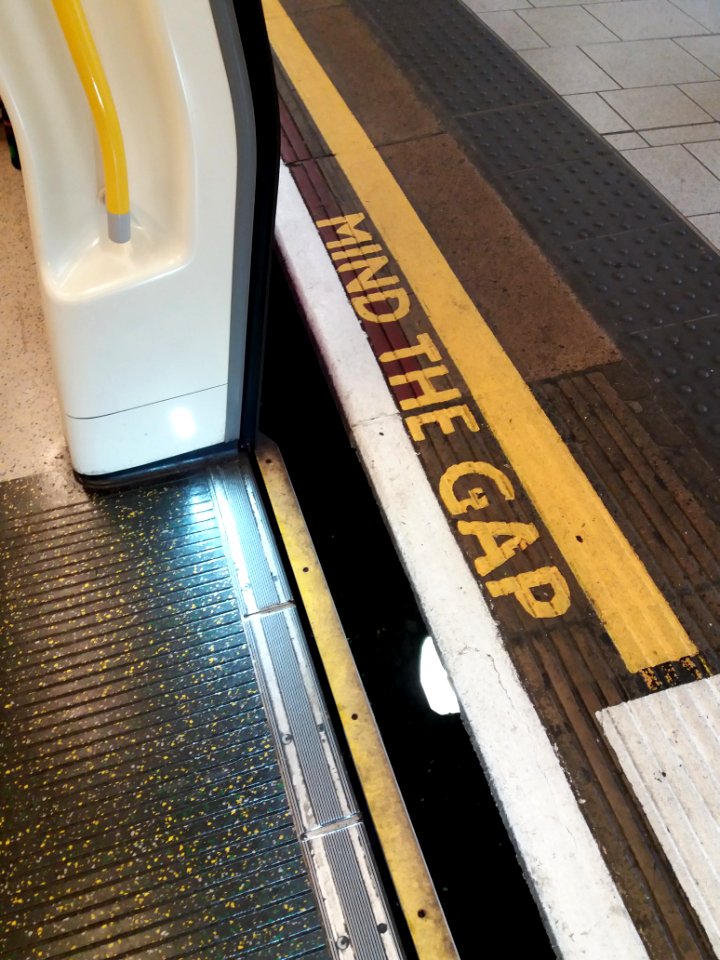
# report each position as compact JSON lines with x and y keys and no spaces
{"x":583,"y":910}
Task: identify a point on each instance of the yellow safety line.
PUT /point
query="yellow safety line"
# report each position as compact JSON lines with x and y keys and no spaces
{"x":636,"y":615}
{"x":87,"y":61}
{"x":414,"y":887}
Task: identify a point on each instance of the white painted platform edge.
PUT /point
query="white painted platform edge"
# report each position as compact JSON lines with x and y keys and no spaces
{"x":668,"y":745}
{"x":584,"y":913}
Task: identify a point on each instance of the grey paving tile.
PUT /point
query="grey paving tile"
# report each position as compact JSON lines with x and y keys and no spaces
{"x":645,"y":19}
{"x":597,"y":112}
{"x":707,"y":95}
{"x":569,"y":70}
{"x":707,"y":153}
{"x":645,"y":107}
{"x":483,"y":6}
{"x":680,"y":177}
{"x":626,"y":141}
{"x":709,"y":226}
{"x":704,"y":49}
{"x":514,"y":31}
{"x":706,"y":12}
{"x":669,"y":135}
{"x":567,"y":26}
{"x":646,"y":63}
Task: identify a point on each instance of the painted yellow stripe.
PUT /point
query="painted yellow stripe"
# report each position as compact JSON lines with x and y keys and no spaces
{"x":627,"y":601}
{"x":414,"y":887}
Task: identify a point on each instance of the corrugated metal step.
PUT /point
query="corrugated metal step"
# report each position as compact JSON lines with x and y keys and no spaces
{"x":145,"y":810}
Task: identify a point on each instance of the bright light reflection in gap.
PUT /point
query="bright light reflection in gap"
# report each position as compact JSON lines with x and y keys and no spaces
{"x":434,"y":679}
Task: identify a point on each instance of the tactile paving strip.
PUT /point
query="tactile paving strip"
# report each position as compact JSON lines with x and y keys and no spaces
{"x":690,"y":357}
{"x":458,"y":64}
{"x":465,"y":69}
{"x":647,"y":278}
{"x":143,"y":814}
{"x":536,"y":134}
{"x":593,"y":196}
{"x":658,"y":291}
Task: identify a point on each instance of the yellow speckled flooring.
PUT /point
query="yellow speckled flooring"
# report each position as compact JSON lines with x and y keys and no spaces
{"x":143,"y":811}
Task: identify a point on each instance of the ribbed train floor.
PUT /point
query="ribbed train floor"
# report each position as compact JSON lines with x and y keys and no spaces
{"x":143,"y":810}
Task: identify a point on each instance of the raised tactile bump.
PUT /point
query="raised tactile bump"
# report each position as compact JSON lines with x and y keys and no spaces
{"x":647,"y":278}
{"x":461,"y":73}
{"x":594,"y":196}
{"x":686,"y":358}
{"x":536,"y":134}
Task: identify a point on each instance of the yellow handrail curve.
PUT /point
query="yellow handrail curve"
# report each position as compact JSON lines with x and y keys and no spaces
{"x":82,"y":48}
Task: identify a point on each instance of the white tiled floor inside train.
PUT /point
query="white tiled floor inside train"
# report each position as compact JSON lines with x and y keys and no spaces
{"x":644,"y":73}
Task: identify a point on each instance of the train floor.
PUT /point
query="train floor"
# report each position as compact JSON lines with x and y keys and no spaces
{"x":520,"y":326}
{"x":172,"y":786}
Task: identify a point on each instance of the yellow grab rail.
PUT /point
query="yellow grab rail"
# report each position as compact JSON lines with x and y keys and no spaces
{"x":82,"y":48}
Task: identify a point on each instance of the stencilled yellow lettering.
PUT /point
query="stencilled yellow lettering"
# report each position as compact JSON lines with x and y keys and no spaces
{"x":397,"y":312}
{"x":366,"y":278}
{"x":380,"y":299}
{"x":346,"y":231}
{"x":429,"y":394}
{"x":499,"y":541}
{"x":356,"y":252}
{"x":444,"y":418}
{"x":423,"y":347}
{"x":546,"y":580}
{"x":476,"y":498}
